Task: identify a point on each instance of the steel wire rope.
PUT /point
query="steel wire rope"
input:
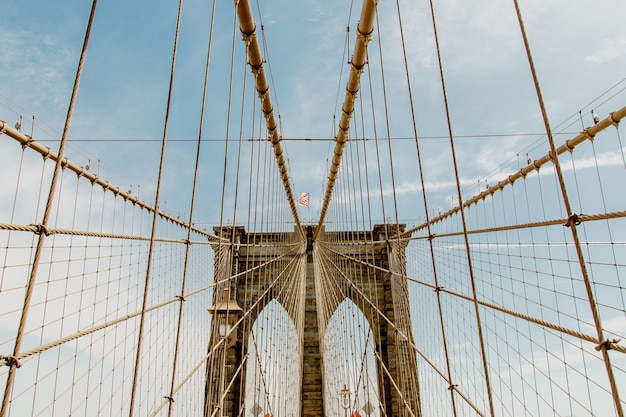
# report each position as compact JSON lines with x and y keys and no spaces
{"x":426,"y":210}
{"x":227,"y":127}
{"x":201,"y":362}
{"x":536,"y":268}
{"x":346,"y":49}
{"x":572,"y":226}
{"x":288,"y":301}
{"x":387,"y":125}
{"x":248,"y":29}
{"x":54,"y":133}
{"x":35,"y":262}
{"x":263,"y":274}
{"x":261,"y":372}
{"x":366,"y":285}
{"x":528,"y":318}
{"x":330,"y":311}
{"x":517,"y":350}
{"x":238,"y":165}
{"x":46,"y":305}
{"x":568,"y":122}
{"x":463,"y":220}
{"x":283,"y":339}
{"x":155,"y":216}
{"x":247,"y":328}
{"x":413,"y":388}
{"x":562,"y":131}
{"x":170,"y":395}
{"x":109,"y":295}
{"x":369,"y":231}
{"x":225,"y":264}
{"x":257,"y":283}
{"x":608,"y":228}
{"x":268,"y":62}
{"x":378,"y":159}
{"x":83,"y":273}
{"x":273,"y":288}
{"x":364,"y":374}
{"x":332,"y":305}
{"x":47,"y":153}
{"x":358,"y":61}
{"x":12,"y":217}
{"x":619,"y":140}
{"x":389,"y":322}
{"x":595,"y":283}
{"x":360,"y":365}
{"x":353,"y":228}
{"x":370,"y":254}
{"x":228,"y":387}
{"x":109,"y":268}
{"x":613,"y":119}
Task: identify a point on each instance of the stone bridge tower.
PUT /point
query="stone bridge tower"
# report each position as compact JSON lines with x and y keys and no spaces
{"x":251,"y":251}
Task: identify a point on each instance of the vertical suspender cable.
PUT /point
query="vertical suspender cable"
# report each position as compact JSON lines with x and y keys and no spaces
{"x":154,"y":220}
{"x":463,"y":220}
{"x":44,"y":222}
{"x":191,"y":213}
{"x":427,"y":217}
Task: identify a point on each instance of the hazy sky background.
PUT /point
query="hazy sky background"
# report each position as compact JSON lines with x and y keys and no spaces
{"x":579,"y":48}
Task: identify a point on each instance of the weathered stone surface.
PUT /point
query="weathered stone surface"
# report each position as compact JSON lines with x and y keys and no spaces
{"x":381,"y":288}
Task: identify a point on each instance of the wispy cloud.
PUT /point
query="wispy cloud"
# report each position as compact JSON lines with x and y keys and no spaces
{"x":608,"y":51}
{"x":36,"y":69}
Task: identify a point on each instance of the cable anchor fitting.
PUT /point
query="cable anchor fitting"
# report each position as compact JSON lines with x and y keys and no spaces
{"x":247,"y":37}
{"x":169,"y":398}
{"x":364,"y":37}
{"x":587,"y":133}
{"x":573,"y":220}
{"x":11,"y":360}
{"x":452,"y":387}
{"x":607,"y":344}
{"x":40,"y":228}
{"x":30,"y":140}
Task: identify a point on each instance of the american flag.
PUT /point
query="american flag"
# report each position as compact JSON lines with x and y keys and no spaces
{"x":304,"y":199}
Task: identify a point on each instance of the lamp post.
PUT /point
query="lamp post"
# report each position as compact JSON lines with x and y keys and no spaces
{"x":345,"y":399}
{"x":226,"y":312}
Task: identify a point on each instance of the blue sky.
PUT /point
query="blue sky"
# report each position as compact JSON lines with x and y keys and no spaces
{"x":579,"y":49}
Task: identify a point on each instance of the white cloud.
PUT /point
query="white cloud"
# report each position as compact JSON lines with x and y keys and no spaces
{"x":608,"y":51}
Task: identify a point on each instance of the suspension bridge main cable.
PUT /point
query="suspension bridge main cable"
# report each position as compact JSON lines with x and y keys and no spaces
{"x":255,"y":60}
{"x":364,"y":30}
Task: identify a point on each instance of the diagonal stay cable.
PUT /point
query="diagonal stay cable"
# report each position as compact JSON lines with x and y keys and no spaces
{"x":588,"y":134}
{"x":610,"y":344}
{"x":80,"y":171}
{"x":326,"y":260}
